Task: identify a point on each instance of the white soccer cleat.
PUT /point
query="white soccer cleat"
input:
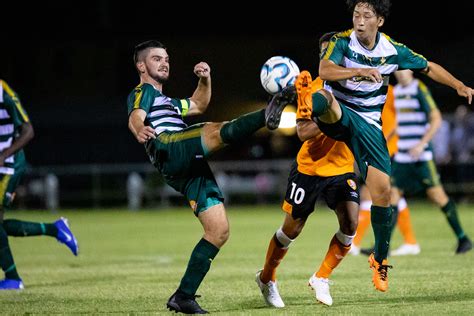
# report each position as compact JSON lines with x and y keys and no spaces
{"x":270,"y":292}
{"x":355,"y":251}
{"x":406,"y":249}
{"x":321,"y":289}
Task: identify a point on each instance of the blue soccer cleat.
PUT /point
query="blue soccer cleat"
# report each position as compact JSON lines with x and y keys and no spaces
{"x":10,"y":284}
{"x":66,"y":236}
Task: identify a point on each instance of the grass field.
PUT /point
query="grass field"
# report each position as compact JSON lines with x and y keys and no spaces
{"x":131,"y":262}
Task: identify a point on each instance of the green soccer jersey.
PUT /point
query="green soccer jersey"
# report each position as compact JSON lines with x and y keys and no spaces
{"x":12,"y":116}
{"x":163,"y":113}
{"x":362,"y":96}
{"x":414,"y":104}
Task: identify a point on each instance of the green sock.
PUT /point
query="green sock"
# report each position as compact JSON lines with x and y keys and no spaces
{"x":242,"y":127}
{"x":18,"y":228}
{"x":198,"y":265}
{"x":451,"y":214}
{"x":6,"y":258}
{"x":381,"y":218}
{"x":320,"y":105}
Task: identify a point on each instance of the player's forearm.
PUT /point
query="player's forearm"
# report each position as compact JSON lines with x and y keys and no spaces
{"x":135,"y":123}
{"x":202,"y":95}
{"x":441,"y":75}
{"x":27,"y":133}
{"x":332,"y":72}
{"x":435,"y":124}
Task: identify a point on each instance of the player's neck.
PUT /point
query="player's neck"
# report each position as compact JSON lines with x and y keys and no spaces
{"x":157,"y":85}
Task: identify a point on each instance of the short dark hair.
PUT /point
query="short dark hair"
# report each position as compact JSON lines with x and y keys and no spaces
{"x":381,"y":7}
{"x":325,"y":38}
{"x":145,"y":45}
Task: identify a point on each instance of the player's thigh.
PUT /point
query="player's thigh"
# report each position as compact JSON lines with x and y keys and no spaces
{"x":378,"y":183}
{"x":301,"y":193}
{"x":211,"y":137}
{"x":214,"y":220}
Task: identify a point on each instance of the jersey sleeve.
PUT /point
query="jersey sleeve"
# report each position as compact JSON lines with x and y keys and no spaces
{"x":182,"y":104}
{"x":13,"y":106}
{"x":426,"y":99}
{"x":142,"y":97}
{"x":335,"y":50}
{"x":408,"y":59}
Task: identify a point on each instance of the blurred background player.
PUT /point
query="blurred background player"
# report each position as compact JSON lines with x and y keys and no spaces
{"x":410,"y":246}
{"x":323,"y":168}
{"x":179,"y":153}
{"x":413,"y":167}
{"x":15,"y":132}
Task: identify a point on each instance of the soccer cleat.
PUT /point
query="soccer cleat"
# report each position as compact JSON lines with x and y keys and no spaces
{"x":276,"y":105}
{"x":186,"y":304}
{"x":380,"y":273}
{"x":464,"y":245}
{"x":10,"y":284}
{"x":66,"y":236}
{"x":305,"y":94}
{"x":321,"y":289}
{"x":269,"y":292}
{"x":406,"y":249}
{"x":355,"y":251}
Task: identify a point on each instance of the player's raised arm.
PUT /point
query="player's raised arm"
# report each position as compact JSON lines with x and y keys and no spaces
{"x":441,"y":75}
{"x":202,"y":95}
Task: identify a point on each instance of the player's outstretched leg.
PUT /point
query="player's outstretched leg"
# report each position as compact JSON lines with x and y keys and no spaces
{"x":380,"y":273}
{"x":278,"y":102}
{"x":66,"y":236}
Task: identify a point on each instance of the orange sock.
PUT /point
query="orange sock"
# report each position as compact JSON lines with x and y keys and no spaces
{"x":274,"y":256}
{"x":404,"y":224}
{"x":336,"y":252}
{"x":364,"y":223}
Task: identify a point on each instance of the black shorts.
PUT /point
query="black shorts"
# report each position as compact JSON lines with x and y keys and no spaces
{"x":303,"y":191}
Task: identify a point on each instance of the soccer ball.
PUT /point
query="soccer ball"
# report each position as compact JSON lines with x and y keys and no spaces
{"x":277,"y":73}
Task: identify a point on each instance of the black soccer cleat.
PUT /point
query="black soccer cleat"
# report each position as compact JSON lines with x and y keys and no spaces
{"x":276,"y":105}
{"x":186,"y":304}
{"x":464,"y":245}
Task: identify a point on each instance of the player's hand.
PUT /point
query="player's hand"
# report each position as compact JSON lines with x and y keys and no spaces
{"x":371,"y":74}
{"x":145,"y":134}
{"x":202,"y":70}
{"x":416,"y":151}
{"x":466,"y":92}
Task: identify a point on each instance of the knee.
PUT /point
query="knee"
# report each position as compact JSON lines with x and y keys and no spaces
{"x":218,"y":236}
{"x":349,"y":226}
{"x":382,"y":196}
{"x":328,"y":95}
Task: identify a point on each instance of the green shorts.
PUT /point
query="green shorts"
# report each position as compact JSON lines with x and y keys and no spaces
{"x":8,"y":185}
{"x":414,"y":177}
{"x":180,"y":158}
{"x":365,"y":140}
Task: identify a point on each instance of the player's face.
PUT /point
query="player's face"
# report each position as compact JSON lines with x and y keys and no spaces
{"x":157,"y":64}
{"x":366,"y":22}
{"x":404,"y":77}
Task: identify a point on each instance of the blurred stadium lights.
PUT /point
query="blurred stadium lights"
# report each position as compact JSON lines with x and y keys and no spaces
{"x":288,"y":121}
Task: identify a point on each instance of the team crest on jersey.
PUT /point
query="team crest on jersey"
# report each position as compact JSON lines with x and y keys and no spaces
{"x":352,"y":184}
{"x":193,"y":205}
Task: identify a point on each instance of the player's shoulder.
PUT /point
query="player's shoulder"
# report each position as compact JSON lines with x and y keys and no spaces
{"x":391,"y":40}
{"x":344,"y":35}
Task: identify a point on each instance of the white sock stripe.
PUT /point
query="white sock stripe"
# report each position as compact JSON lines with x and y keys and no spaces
{"x":283,"y":239}
{"x":402,"y":204}
{"x":344,"y":239}
{"x":365,"y":205}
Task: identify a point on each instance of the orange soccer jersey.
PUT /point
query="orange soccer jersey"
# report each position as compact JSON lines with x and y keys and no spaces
{"x":323,"y":156}
{"x":389,"y":122}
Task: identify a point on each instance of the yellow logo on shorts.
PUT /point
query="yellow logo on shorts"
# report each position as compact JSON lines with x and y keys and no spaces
{"x":193,"y":205}
{"x":352,"y":184}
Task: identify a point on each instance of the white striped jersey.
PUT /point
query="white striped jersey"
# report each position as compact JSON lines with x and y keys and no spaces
{"x":12,"y":116}
{"x":365,"y":97}
{"x":413,"y":104}
{"x":163,"y":113}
